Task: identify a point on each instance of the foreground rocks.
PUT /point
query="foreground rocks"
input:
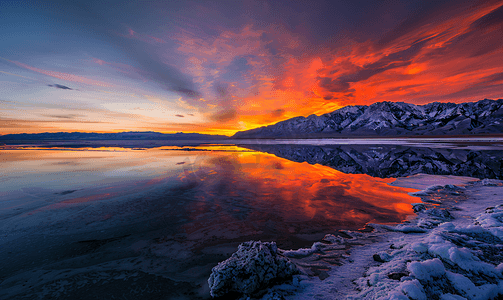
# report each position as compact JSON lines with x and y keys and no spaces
{"x":457,"y":256}
{"x":451,"y":250}
{"x":254,"y":266}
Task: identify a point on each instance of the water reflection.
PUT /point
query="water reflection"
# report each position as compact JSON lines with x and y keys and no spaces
{"x":279,"y":198}
{"x":169,"y":212}
{"x":394,"y":160}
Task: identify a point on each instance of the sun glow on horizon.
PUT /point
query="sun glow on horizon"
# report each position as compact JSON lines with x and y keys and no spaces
{"x":218,"y":73}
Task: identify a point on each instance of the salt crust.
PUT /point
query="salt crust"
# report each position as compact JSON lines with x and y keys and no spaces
{"x":448,"y":252}
{"x":452,"y":259}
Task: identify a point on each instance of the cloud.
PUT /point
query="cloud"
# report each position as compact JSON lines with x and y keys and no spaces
{"x":333,"y":85}
{"x":447,"y":54}
{"x":278,"y":60}
{"x":67,"y":116}
{"x":180,"y":116}
{"x":427,"y":16}
{"x":472,"y":38}
{"x":101,"y":21}
{"x":226,"y":108}
{"x":492,"y":19}
{"x":142,"y":37}
{"x":497,"y":77}
{"x":18,"y":75}
{"x":7,"y":122}
{"x":223,"y":115}
{"x":152,"y":67}
{"x":59,"y":86}
{"x":491,"y":86}
{"x":190,"y":93}
{"x":403,"y":88}
{"x":398,"y":59}
{"x":61,"y":75}
{"x":237,"y":67}
{"x":277,"y":113}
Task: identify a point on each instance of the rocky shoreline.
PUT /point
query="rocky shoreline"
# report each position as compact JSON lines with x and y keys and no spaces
{"x":449,"y":250}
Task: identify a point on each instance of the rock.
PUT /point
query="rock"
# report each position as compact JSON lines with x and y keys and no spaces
{"x":323,"y":275}
{"x":332,"y":239}
{"x":417,"y":207}
{"x":273,"y":296}
{"x":489,"y":182}
{"x":403,"y":228}
{"x":377,"y":258}
{"x":397,"y":275}
{"x":451,"y":187}
{"x":254,"y":266}
{"x":438,"y":213}
{"x":432,"y":201}
{"x":381,"y":257}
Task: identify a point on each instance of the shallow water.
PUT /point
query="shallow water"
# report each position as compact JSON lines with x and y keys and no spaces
{"x":84,"y":223}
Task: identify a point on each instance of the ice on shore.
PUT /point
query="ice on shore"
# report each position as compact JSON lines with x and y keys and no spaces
{"x":454,"y":258}
{"x":452,"y":250}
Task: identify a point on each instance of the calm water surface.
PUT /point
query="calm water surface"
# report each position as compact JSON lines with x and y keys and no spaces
{"x":85,"y":223}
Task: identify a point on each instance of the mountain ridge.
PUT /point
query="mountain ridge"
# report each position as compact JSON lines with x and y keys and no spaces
{"x":127,"y":135}
{"x":391,"y":119}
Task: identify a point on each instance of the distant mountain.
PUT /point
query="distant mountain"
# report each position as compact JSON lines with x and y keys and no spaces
{"x":132,"y":135}
{"x":393,"y":160}
{"x":391,"y":119}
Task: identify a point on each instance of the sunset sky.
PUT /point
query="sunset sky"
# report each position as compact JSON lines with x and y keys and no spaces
{"x":223,"y":66}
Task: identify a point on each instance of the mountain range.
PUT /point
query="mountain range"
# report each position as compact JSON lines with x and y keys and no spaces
{"x":381,"y":119}
{"x":131,"y":135}
{"x":391,"y":119}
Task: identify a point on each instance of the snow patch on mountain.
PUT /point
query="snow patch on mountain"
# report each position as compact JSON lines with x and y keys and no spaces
{"x":391,"y":119}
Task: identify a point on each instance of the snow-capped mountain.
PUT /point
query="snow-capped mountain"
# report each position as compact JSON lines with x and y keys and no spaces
{"x":391,"y":119}
{"x":393,"y":160}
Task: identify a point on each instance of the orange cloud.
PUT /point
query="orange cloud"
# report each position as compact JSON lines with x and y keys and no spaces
{"x":256,"y":83}
{"x":261,"y":74}
{"x":457,"y":58}
{"x":437,"y":61}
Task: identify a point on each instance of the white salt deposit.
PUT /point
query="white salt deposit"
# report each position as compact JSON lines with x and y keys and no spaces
{"x":451,"y":251}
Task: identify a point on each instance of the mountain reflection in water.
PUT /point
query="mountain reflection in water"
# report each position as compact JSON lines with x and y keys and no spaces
{"x":395,"y":161}
{"x":277,"y":199}
{"x":163,"y":217}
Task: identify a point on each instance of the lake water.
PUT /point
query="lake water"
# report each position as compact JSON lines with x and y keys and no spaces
{"x":85,"y":223}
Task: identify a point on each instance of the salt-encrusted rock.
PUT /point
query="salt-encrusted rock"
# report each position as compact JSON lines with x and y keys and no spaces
{"x":273,"y":296}
{"x":417,"y":207}
{"x":397,"y":275}
{"x":438,"y":213}
{"x":252,"y":267}
{"x":405,"y":228}
{"x":489,"y":182}
{"x":332,"y":239}
{"x":381,"y":256}
{"x":492,"y":220}
{"x":304,"y":252}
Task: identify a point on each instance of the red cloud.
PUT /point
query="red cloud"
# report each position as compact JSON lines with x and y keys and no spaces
{"x":454,"y":56}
